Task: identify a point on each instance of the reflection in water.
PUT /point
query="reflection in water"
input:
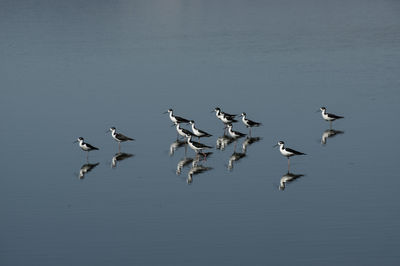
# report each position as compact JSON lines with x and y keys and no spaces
{"x":195,"y":170}
{"x":86,"y":168}
{"x":287,"y":178}
{"x":236,"y":156}
{"x":248,"y":141}
{"x":120,"y":156}
{"x":175,"y":145}
{"x":182,"y":163}
{"x":329,"y":133}
{"x":223,"y":142}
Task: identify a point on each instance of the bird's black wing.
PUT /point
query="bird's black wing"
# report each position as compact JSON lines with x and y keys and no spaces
{"x":335,"y":116}
{"x":204,"y":133}
{"x":181,"y":119}
{"x":200,"y":145}
{"x":91,"y":147}
{"x":294,"y":151}
{"x":229,"y":116}
{"x":240,"y":134}
{"x":253,"y":123}
{"x":123,"y":137}
{"x":187,"y":132}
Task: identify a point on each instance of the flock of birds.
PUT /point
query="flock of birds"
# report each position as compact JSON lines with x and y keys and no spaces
{"x":228,"y":120}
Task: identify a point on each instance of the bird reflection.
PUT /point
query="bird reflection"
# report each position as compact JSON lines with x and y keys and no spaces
{"x":329,"y":133}
{"x":236,"y":156}
{"x":287,"y":178}
{"x":224,"y":141}
{"x":195,"y":170}
{"x":120,"y":156}
{"x":175,"y":145}
{"x":248,"y":141}
{"x":86,"y":168}
{"x":182,"y":163}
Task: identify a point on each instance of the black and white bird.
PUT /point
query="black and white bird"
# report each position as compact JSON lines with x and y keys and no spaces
{"x":197,"y":146}
{"x":287,"y":152}
{"x":197,"y":132}
{"x":225,"y":117}
{"x":328,"y":116}
{"x":182,"y":131}
{"x":85,"y":146}
{"x":235,"y":134}
{"x":119,"y":137}
{"x":249,"y":123}
{"x":176,"y":119}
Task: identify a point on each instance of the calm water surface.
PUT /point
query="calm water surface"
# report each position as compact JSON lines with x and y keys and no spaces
{"x":75,"y":68}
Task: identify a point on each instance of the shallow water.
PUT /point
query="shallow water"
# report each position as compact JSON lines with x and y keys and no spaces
{"x":75,"y":68}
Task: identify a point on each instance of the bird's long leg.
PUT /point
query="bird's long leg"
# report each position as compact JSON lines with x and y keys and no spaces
{"x":288,"y":164}
{"x":234,"y":149}
{"x":330,"y":125}
{"x":119,"y":146}
{"x":185,"y":149}
{"x":205,"y":156}
{"x":87,"y":156}
{"x":250,"y":132}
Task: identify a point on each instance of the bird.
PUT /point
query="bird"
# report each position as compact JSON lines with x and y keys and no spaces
{"x":85,"y":146}
{"x":287,"y":152}
{"x":119,"y":137}
{"x":197,"y":132}
{"x":182,"y":131}
{"x":249,"y":123}
{"x":287,"y":178}
{"x":329,"y":117}
{"x":176,"y":119}
{"x":225,"y":117}
{"x":197,"y":146}
{"x":235,"y":134}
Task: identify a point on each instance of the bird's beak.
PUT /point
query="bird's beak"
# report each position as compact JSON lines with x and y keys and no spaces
{"x":165,"y":112}
{"x":75,"y":141}
{"x":318,"y":111}
{"x":173,"y":125}
{"x":212,"y":111}
{"x":107,"y":131}
{"x":276,"y":145}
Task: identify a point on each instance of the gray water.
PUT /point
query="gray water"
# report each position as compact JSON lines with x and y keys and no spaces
{"x":75,"y":68}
